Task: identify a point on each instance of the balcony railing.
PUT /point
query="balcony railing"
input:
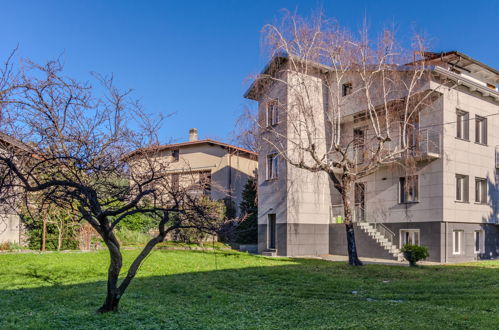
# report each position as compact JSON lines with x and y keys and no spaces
{"x":426,"y":143}
{"x":338,"y":216}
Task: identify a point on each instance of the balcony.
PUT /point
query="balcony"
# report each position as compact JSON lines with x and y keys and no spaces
{"x":425,"y":144}
{"x":337,"y":215}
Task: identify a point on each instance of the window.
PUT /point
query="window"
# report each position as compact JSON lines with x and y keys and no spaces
{"x":480,"y":190}
{"x":174,"y":180}
{"x":272,"y":113}
{"x":409,"y":236}
{"x":480,"y":130}
{"x":272,"y":166}
{"x":409,"y":189}
{"x":271,"y":242}
{"x":346,"y":89}
{"x":479,"y":242}
{"x":462,"y":188}
{"x":175,"y":155}
{"x":457,"y":237}
{"x":205,"y":181}
{"x":463,"y":127}
{"x":358,"y":144}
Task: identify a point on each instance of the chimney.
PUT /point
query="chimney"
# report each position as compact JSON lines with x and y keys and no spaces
{"x":193,"y":134}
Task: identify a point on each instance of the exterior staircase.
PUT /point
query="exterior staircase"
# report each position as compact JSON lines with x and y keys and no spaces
{"x":383,"y":236}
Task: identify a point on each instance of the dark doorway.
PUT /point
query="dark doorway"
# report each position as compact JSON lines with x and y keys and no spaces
{"x":272,"y":231}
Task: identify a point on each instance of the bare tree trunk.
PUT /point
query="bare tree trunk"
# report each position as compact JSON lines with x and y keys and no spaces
{"x":353,"y":259}
{"x":113,"y":293}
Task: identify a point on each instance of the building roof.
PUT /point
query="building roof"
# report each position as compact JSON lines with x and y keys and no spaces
{"x":9,"y":140}
{"x":453,"y":58}
{"x":192,"y":143}
{"x":463,"y":61}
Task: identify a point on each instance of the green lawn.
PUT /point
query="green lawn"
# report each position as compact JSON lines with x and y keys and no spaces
{"x":196,"y":289}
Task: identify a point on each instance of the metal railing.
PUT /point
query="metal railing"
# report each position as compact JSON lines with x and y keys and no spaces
{"x":338,"y":214}
{"x":385,"y":231}
{"x":359,"y":215}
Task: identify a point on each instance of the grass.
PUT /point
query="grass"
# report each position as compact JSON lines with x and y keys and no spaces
{"x":199,"y":289}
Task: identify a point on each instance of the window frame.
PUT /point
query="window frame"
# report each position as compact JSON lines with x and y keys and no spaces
{"x":272,"y":167}
{"x":481,"y":130}
{"x":459,"y":241}
{"x":346,"y":89}
{"x":481,"y":241}
{"x":465,"y":190}
{"x":402,"y":198}
{"x":409,"y":231}
{"x":175,"y":155}
{"x":462,"y":125}
{"x":481,"y":196}
{"x":272,"y":112}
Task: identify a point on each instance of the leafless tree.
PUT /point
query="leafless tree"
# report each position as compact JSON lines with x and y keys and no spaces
{"x":333,"y":78}
{"x":85,"y":153}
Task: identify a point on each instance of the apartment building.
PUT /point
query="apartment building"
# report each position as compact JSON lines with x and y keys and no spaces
{"x":449,"y":203}
{"x":208,"y":167}
{"x":10,"y":222}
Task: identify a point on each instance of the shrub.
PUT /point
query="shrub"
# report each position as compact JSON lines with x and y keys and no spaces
{"x":129,"y":237}
{"x":415,"y":253}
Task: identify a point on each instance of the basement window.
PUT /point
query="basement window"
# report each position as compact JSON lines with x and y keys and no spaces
{"x":457,"y":241}
{"x":409,"y":236}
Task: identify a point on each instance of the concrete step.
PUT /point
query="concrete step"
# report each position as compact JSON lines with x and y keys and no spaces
{"x":269,"y":253}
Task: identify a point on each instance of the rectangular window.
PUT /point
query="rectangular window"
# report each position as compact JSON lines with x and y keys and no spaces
{"x":463,"y":126}
{"x":272,"y":112}
{"x":462,"y":188}
{"x":481,"y":190}
{"x":271,"y":243}
{"x":479,"y":242}
{"x":409,"y":236}
{"x":175,"y":155}
{"x":272,"y":166}
{"x":481,"y":130}
{"x":409,"y":189}
{"x":457,"y":238}
{"x":205,"y":181}
{"x":358,"y":144}
{"x":346,"y":89}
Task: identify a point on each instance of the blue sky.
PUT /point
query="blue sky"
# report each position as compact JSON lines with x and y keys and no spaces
{"x":194,"y":58}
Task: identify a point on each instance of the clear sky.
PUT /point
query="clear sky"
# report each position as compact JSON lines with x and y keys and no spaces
{"x":193,"y":58}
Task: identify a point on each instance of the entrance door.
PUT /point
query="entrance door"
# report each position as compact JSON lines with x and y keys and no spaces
{"x":272,"y":231}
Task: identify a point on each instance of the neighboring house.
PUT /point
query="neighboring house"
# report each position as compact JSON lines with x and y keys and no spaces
{"x":10,"y":224}
{"x":220,"y":170}
{"x":450,"y":205}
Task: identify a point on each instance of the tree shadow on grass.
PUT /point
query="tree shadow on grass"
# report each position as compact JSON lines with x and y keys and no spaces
{"x":301,"y":293}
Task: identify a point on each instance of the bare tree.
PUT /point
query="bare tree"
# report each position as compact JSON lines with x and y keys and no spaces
{"x":86,"y":154}
{"x":333,"y":78}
